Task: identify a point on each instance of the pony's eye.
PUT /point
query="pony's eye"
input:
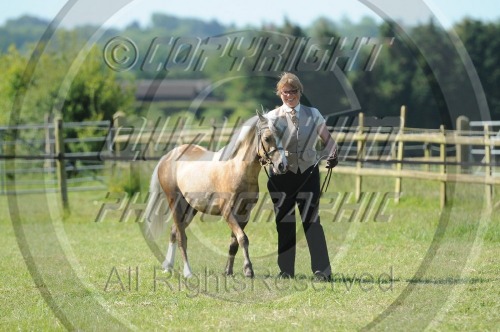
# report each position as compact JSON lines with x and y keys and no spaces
{"x":267,"y":139}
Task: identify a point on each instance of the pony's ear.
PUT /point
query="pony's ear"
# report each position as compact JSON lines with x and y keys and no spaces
{"x":261,"y":116}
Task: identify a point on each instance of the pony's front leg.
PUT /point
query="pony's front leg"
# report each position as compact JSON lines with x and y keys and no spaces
{"x":242,"y":241}
{"x":233,"y":249}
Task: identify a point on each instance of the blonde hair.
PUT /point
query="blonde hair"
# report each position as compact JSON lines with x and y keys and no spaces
{"x":289,"y":79}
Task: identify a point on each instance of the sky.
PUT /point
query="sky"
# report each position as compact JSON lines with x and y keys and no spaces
{"x":248,"y":12}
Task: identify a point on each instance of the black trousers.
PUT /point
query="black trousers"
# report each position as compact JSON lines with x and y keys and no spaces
{"x":302,"y":189}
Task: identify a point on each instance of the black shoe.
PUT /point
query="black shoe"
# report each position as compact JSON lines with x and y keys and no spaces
{"x":321,"y":277}
{"x":284,"y":275}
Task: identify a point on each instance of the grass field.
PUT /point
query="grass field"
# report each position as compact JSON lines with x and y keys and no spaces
{"x":417,"y":267}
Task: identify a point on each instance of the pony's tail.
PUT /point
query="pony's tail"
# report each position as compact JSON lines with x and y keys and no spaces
{"x":155,"y":216}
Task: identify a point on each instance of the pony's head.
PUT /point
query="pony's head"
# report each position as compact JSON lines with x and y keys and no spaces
{"x":269,"y":142}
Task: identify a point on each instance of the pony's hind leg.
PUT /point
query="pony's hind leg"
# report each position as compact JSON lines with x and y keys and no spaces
{"x":183,"y":214}
{"x":182,"y":239}
{"x":168,"y":264}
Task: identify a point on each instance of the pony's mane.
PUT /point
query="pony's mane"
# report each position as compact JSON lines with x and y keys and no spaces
{"x":248,"y":128}
{"x":240,"y":135}
{"x":243,"y":135}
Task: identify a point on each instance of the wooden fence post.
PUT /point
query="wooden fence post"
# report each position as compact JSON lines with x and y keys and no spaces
{"x":463,"y":151}
{"x":60,"y":162}
{"x":116,"y":146}
{"x":212,"y":144}
{"x":3,"y":188}
{"x":360,"y":155}
{"x":49,"y":145}
{"x":487,"y":168}
{"x":442,"y":155}
{"x":118,"y":122}
{"x":427,"y":156}
{"x":400,"y":152}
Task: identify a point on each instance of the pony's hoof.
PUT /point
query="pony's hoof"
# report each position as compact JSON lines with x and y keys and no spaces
{"x":249,"y":273}
{"x":167,"y":268}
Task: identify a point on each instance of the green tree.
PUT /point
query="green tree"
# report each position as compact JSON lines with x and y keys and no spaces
{"x":435,"y":79}
{"x":60,"y":86}
{"x":21,"y":32}
{"x":411,"y":72}
{"x":95,"y":93}
{"x":382,"y":90}
{"x":483,"y":46}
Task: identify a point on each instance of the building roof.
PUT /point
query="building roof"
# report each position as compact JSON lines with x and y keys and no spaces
{"x":172,"y":89}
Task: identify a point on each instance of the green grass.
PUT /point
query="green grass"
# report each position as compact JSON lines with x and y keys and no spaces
{"x":444,"y":265}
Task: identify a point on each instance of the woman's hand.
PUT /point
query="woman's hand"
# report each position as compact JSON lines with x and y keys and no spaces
{"x":332,"y":161}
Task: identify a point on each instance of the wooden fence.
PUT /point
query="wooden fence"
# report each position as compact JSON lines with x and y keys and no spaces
{"x":395,"y":152}
{"x":458,"y":168}
{"x":38,"y":150}
{"x":373,"y":151}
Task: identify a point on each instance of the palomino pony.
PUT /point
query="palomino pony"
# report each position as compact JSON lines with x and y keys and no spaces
{"x":225,"y":183}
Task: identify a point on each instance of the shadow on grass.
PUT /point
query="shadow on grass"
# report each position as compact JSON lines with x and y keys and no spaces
{"x":452,"y":281}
